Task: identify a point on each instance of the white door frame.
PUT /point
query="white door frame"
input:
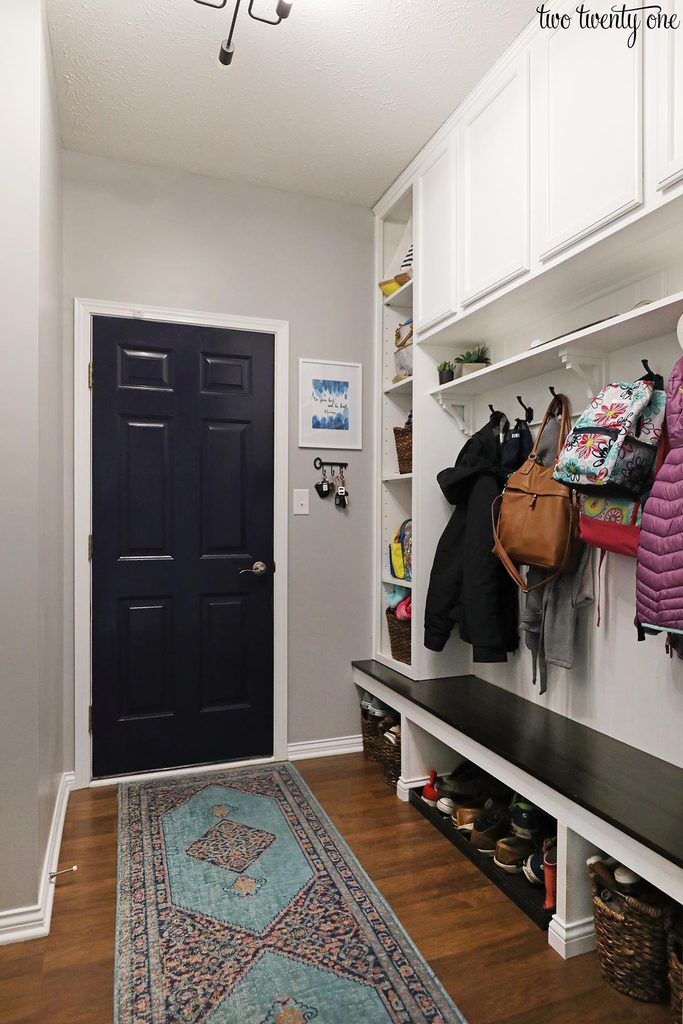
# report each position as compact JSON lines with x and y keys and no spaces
{"x":84,"y":311}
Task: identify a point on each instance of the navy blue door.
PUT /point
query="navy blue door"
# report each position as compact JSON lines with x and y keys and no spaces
{"x":182,"y":657}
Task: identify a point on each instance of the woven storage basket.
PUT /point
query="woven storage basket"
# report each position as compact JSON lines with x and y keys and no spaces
{"x":399,"y":637}
{"x":403,"y":436}
{"x":372,"y":737}
{"x":631,"y":940}
{"x":675,"y":981}
{"x":391,"y":761}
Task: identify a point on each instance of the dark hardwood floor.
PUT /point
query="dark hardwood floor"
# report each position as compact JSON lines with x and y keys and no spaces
{"x":494,"y":962}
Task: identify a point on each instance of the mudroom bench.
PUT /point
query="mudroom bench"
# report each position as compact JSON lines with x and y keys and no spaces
{"x":606,"y":796}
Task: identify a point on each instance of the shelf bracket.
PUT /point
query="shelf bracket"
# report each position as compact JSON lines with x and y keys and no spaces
{"x":460,"y":417}
{"x":587,"y":368}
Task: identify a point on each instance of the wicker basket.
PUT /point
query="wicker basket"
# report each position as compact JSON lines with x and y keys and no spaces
{"x":675,"y":980}
{"x":631,"y":940}
{"x":399,"y":637}
{"x":372,"y":737}
{"x":391,"y":761}
{"x":403,"y":436}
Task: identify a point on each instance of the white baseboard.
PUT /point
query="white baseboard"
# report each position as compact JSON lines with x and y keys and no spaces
{"x":571,"y":939}
{"x":404,"y":786}
{"x":34,"y":922}
{"x":325,"y":748}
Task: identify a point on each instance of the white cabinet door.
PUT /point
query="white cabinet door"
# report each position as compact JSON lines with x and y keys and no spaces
{"x":435,"y":238}
{"x":493,"y":221}
{"x":668,"y":53}
{"x":587,"y":88}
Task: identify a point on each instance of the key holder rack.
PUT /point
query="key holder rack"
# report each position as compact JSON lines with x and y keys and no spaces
{"x":318,"y":464}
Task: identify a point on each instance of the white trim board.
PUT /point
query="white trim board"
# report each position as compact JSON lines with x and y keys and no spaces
{"x":325,"y":748}
{"x":34,"y":922}
{"x":84,"y":311}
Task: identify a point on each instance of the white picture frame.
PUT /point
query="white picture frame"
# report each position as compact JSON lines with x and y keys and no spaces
{"x":330,"y":404}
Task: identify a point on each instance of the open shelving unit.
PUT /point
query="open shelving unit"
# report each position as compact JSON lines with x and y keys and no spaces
{"x":395,"y":402}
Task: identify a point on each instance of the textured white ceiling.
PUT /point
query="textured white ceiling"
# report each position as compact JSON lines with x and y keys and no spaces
{"x":333,"y":102}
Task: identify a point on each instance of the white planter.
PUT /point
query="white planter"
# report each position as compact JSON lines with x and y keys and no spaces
{"x":472,"y":367}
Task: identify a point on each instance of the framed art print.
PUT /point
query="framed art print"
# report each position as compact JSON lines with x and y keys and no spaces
{"x":330,"y":404}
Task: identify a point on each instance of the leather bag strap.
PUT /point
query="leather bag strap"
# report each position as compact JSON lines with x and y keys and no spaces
{"x":560,"y":404}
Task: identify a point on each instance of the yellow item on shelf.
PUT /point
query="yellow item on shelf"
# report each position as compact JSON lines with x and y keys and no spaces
{"x":389,"y":287}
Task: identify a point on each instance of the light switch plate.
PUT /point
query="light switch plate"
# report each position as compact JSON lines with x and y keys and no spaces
{"x":301,"y":502}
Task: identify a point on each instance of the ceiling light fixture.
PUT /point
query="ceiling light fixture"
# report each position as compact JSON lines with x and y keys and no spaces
{"x":227,"y":50}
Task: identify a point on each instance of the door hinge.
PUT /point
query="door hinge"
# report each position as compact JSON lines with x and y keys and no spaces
{"x":90,"y":546}
{"x":90,"y":375}
{"x":90,"y":718}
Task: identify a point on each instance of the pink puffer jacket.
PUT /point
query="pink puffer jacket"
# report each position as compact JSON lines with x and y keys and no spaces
{"x":659,"y":575}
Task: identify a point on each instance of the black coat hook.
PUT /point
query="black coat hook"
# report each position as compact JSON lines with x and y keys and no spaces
{"x":552,"y":391}
{"x":528,"y":411}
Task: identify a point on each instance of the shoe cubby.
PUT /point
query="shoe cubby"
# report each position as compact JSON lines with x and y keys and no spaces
{"x":529,"y":898}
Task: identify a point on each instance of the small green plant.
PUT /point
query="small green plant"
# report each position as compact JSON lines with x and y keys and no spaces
{"x":480,"y":354}
{"x":442,"y":367}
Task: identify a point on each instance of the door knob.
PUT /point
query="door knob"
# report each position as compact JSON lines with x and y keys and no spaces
{"x":258,"y":569}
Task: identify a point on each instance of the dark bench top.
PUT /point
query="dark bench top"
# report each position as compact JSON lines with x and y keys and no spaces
{"x":639,"y":794}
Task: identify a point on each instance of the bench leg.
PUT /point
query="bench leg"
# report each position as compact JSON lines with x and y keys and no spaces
{"x":571,"y":930}
{"x":420,"y":752}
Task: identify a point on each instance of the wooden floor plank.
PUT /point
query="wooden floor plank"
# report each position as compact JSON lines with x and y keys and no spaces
{"x":493,"y":961}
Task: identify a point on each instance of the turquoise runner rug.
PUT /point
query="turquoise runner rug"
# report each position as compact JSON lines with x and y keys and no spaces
{"x":240,"y":903}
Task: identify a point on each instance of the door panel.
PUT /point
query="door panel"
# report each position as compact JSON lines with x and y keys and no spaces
{"x":590,"y":132}
{"x":435,"y":241}
{"x":494,"y":193}
{"x":668,"y":51}
{"x":182,"y":657}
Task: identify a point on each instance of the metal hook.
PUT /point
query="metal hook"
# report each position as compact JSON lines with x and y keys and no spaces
{"x":552,"y":391}
{"x":646,"y":366}
{"x":528,"y":411}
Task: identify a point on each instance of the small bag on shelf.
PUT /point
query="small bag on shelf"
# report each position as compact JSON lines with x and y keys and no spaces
{"x":401,"y":552}
{"x":403,"y":356}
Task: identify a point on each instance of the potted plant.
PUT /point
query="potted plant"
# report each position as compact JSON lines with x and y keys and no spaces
{"x":474,"y":359}
{"x":445,"y":371}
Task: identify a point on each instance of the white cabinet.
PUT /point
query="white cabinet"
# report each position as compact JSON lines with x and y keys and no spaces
{"x":668,"y":54}
{"x":587,"y":88}
{"x":493,"y":220}
{"x":435,"y":285}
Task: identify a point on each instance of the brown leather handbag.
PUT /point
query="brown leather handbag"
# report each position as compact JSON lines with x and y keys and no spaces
{"x":535,"y":519}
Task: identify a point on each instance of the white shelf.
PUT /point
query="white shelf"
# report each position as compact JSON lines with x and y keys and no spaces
{"x":403,"y":298}
{"x":392,"y":581}
{"x":403,"y":387}
{"x":585,"y":346}
{"x":392,"y":478}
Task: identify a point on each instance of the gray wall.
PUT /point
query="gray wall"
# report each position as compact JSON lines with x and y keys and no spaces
{"x":141,"y":234}
{"x":31,"y":624}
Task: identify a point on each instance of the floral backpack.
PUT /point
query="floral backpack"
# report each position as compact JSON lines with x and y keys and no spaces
{"x":612,"y":448}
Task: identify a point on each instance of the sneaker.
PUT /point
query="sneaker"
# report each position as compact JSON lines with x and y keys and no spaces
{"x":488,"y":829}
{"x":533,"y":868}
{"x":465,"y":816}
{"x":550,"y":872}
{"x":467,"y":782}
{"x":446,"y":805}
{"x":429,"y":793}
{"x":526,"y":819}
{"x":511,"y":852}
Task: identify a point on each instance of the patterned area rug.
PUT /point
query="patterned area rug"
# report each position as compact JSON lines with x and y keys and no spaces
{"x":240,"y":903}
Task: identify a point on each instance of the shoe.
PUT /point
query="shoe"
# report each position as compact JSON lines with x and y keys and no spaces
{"x":446,"y":805}
{"x":393,"y":735}
{"x":488,"y":829}
{"x":511,"y":852}
{"x":467,"y":782}
{"x":526,"y":819}
{"x":466,"y":815}
{"x":429,"y":794}
{"x":550,"y":872}
{"x":533,"y":868}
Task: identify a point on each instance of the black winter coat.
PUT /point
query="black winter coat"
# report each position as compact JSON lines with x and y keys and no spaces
{"x":468,"y":585}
